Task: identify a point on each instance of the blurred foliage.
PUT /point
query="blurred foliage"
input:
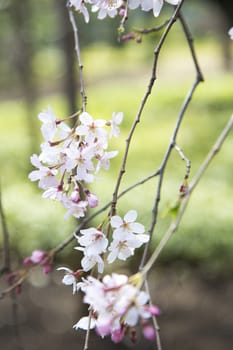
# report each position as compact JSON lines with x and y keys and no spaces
{"x":116,"y":76}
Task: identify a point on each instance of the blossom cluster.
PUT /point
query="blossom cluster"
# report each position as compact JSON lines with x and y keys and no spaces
{"x":70,"y":158}
{"x":112,"y":8}
{"x":127,"y":236}
{"x":117,"y":305}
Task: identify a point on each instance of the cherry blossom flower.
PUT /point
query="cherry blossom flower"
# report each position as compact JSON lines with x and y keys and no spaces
{"x":69,"y":278}
{"x":230,"y":32}
{"x":78,"y":210}
{"x":69,"y":159}
{"x":94,"y":241}
{"x":85,"y":323}
{"x":114,"y":123}
{"x":90,"y":128}
{"x":147,"y":5}
{"x":45,"y":175}
{"x":79,"y":5}
{"x":40,"y":257}
{"x":125,"y":241}
{"x":51,"y":126}
{"x":118,"y":305}
{"x":89,"y":261}
{"x":127,"y":224}
{"x":106,"y":8}
{"x":104,"y":160}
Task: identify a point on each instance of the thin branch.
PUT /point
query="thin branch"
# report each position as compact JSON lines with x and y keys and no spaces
{"x":154,"y":319}
{"x":78,"y":53}
{"x":184,"y":158}
{"x":198,"y":79}
{"x":153,"y":29}
{"x":191,"y":46}
{"x":86,"y":220}
{"x":142,"y":105}
{"x":174,"y":225}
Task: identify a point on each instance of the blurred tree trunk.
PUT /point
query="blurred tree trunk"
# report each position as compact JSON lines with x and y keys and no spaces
{"x":20,"y":15}
{"x":67,"y":44}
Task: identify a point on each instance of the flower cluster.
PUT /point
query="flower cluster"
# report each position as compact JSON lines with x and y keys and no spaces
{"x":70,"y":158}
{"x":112,"y":8}
{"x":117,"y":305}
{"x":127,"y":235}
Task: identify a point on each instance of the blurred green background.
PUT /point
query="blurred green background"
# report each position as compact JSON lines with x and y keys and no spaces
{"x":38,"y":69}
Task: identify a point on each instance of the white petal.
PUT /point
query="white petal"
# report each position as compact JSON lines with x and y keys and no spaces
{"x":86,"y":118}
{"x":65,"y":269}
{"x":132,"y":317}
{"x":131,"y":216}
{"x":137,"y":228}
{"x":173,"y":2}
{"x":85,"y":323}
{"x":157,"y":6}
{"x":116,"y":221}
{"x":35,"y":160}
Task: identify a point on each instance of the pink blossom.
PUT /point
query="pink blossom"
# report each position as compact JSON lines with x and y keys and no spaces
{"x":117,"y":305}
{"x":40,"y":257}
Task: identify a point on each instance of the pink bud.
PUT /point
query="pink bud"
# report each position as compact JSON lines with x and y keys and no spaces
{"x":103,"y":329}
{"x":26,"y":261}
{"x":117,"y":335}
{"x":129,"y":36}
{"x":47,"y":269}
{"x":37,"y":256}
{"x":92,"y":200}
{"x":149,"y":332}
{"x":75,"y":196}
{"x":122,"y":12}
{"x":152,"y":309}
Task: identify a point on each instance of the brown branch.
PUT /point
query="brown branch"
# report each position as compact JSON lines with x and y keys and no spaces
{"x":141,"y":108}
{"x":198,"y":79}
{"x":78,"y":54}
{"x":153,"y":29}
{"x":175,"y":224}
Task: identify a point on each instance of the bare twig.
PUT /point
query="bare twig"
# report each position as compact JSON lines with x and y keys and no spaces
{"x":142,"y":105}
{"x":187,"y":161}
{"x":153,"y":29}
{"x":77,"y":50}
{"x":175,"y":224}
{"x":198,"y":79}
{"x":155,"y":323}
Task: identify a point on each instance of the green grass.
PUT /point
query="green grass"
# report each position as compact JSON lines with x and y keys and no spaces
{"x":116,"y":81}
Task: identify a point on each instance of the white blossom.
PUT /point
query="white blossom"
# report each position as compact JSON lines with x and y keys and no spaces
{"x":69,"y":278}
{"x":230,"y":32}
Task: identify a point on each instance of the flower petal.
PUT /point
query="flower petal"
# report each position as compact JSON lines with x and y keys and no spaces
{"x":116,"y":221}
{"x":131,"y":216}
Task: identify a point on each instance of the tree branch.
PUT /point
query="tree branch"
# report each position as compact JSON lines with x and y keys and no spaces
{"x":175,"y":224}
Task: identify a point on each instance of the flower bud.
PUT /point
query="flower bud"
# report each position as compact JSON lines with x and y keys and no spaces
{"x":92,"y":200}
